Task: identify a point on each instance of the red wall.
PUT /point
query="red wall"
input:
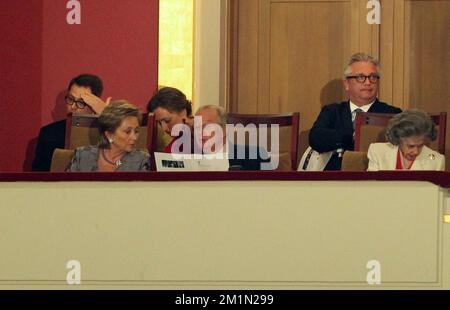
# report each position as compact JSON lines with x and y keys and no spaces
{"x":20,"y":84}
{"x":117,"y":40}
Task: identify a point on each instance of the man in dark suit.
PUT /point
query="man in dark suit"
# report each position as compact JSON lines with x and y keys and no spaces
{"x":334,"y":128}
{"x":240,"y":157}
{"x":83,"y":96}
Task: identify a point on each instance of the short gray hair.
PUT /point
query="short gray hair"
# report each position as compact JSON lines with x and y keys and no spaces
{"x":360,"y":57}
{"x":221,"y":113}
{"x":410,"y":123}
{"x":111,"y":118}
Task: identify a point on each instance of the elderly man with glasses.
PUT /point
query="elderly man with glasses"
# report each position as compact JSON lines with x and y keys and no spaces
{"x":83,"y":96}
{"x":334,"y":128}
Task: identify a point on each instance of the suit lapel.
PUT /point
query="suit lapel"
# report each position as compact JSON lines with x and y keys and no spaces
{"x":346,"y":117}
{"x":374,"y":108}
{"x":391,"y":156}
{"x":421,"y":161}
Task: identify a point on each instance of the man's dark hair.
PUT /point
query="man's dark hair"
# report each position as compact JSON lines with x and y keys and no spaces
{"x":171,"y":99}
{"x":88,"y":80}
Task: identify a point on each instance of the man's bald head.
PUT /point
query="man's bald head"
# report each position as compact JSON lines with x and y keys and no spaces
{"x":213,"y":114}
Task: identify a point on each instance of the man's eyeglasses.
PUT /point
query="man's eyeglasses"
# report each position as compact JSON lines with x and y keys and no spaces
{"x":71,"y":101}
{"x":361,"y":78}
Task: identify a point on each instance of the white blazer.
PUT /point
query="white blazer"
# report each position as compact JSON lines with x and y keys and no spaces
{"x":383,"y":156}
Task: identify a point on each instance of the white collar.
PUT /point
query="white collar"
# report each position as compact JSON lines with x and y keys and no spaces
{"x":365,"y":108}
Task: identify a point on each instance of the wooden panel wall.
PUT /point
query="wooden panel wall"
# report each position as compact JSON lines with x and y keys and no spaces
{"x":427,"y":78}
{"x":289,"y":55}
{"x":415,"y":56}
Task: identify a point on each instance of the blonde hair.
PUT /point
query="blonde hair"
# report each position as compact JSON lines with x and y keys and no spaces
{"x":111,"y":118}
{"x":360,"y":57}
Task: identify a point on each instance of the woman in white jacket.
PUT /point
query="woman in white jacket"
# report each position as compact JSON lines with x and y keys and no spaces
{"x":407,"y":133}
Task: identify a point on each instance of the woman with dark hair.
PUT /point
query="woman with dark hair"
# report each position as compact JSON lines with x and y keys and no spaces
{"x":171,"y":108}
{"x":407,"y":133}
{"x":116,"y":150}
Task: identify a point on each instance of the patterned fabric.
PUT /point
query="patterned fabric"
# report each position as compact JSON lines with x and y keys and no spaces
{"x":86,"y":159}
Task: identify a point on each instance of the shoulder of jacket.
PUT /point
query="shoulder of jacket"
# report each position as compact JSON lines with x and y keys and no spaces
{"x":388,"y":106}
{"x":335,"y":105}
{"x":427,"y":151}
{"x":52,"y":127}
{"x":382,"y":145}
{"x":87,"y":149}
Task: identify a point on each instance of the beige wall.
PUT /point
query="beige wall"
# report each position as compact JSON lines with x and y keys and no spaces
{"x":210,"y":49}
{"x":291,"y":234}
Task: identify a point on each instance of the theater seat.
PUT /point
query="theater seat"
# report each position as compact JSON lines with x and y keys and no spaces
{"x":289,"y":125}
{"x":82,"y":130}
{"x":355,"y":161}
{"x":61,"y":160}
{"x":371,"y":128}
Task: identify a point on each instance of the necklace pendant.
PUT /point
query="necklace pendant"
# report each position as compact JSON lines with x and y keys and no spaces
{"x":117,"y":163}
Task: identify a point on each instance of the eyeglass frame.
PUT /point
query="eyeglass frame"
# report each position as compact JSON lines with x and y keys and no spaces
{"x":359,"y":76}
{"x":81,"y":104}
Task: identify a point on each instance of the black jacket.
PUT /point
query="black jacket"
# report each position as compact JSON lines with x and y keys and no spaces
{"x":333,"y":129}
{"x":245,"y":161}
{"x":51,"y":137}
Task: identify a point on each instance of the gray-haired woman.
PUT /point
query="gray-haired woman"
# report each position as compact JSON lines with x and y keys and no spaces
{"x":116,"y":150}
{"x":407,"y":133}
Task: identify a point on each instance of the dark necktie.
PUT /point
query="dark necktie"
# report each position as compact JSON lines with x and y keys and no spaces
{"x":354,"y":116}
